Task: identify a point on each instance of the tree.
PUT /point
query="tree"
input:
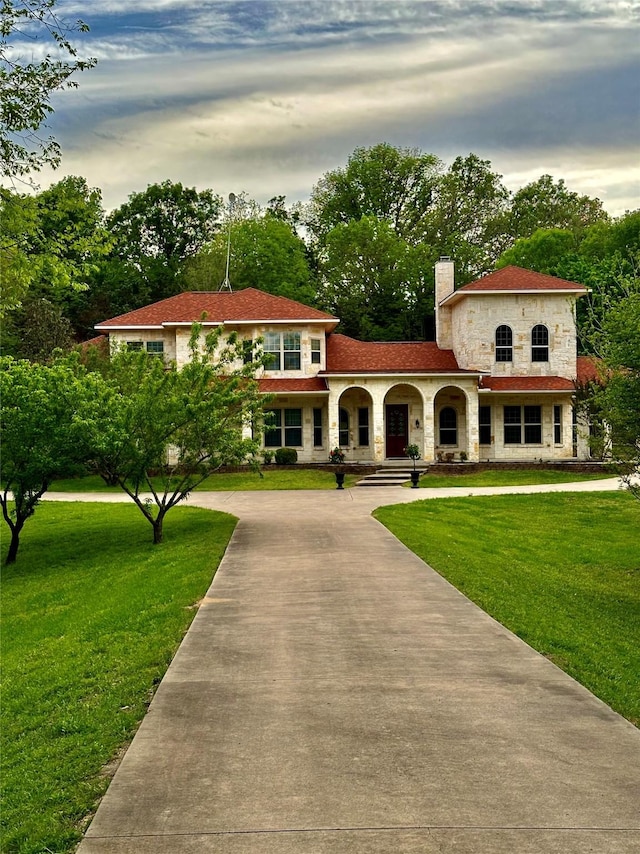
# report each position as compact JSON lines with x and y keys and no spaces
{"x":379,"y":285}
{"x":617,"y":398}
{"x":167,"y":428}
{"x":393,"y":184}
{"x":26,"y":85}
{"x":157,"y":230}
{"x":48,"y":426}
{"x":548,"y":204}
{"x":266,"y":253}
{"x":545,"y":251}
{"x":43,"y":330}
{"x":469,"y":216}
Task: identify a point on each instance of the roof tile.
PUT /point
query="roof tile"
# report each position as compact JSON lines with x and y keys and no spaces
{"x":347,"y":355}
{"x":513,"y":278}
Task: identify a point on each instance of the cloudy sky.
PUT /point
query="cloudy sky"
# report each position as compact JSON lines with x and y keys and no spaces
{"x":264,"y":96}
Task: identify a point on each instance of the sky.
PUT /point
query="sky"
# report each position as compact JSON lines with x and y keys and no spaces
{"x":265,"y":96}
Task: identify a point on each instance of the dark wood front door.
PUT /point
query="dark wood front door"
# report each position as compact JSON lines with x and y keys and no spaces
{"x":397,"y":421}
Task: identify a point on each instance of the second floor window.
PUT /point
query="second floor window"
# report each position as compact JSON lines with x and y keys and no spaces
{"x":315,"y":351}
{"x":283,"y":348}
{"x":504,"y":344}
{"x":540,"y":344}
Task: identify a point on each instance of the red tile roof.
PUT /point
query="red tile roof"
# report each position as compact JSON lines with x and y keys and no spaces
{"x":513,"y":278}
{"x":526,"y":384}
{"x":347,"y":355}
{"x":284,"y":386}
{"x":588,"y":369}
{"x":248,"y":304}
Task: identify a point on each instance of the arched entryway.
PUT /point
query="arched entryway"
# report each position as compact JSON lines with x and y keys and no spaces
{"x":403,"y":420}
{"x":355,"y":424}
{"x":450,"y":422}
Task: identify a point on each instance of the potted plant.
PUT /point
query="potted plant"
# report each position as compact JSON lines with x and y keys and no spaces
{"x":336,"y":456}
{"x":413,"y":451}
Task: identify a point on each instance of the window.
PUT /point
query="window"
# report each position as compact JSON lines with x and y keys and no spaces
{"x":448,"y":426}
{"x":557,"y":425}
{"x":363,"y":426}
{"x":504,"y":344}
{"x":317,"y":428}
{"x":315,"y":351}
{"x":484,"y":422}
{"x":515,"y":417}
{"x":284,"y":429}
{"x":135,"y":345}
{"x":247,"y":351}
{"x":540,"y":344}
{"x":284,"y":350}
{"x":343,"y":428}
{"x":155,"y":348}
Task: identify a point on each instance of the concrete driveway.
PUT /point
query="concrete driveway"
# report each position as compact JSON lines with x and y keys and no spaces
{"x":334,"y":694}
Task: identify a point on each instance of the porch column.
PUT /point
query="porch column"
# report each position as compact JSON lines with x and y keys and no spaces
{"x":333,"y":418}
{"x":473,"y":429}
{"x":428,"y":420}
{"x":377,"y":425}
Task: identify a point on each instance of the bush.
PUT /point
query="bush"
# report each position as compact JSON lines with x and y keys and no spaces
{"x":267,"y":457}
{"x":286,"y":456}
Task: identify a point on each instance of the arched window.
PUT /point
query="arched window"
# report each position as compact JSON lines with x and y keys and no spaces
{"x":343,"y":427}
{"x":448,"y":426}
{"x":504,"y":344}
{"x":540,"y":343}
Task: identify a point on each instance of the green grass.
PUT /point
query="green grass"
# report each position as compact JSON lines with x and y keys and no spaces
{"x":92,"y":614}
{"x":273,"y":478}
{"x":562,"y":571}
{"x":506,"y":477}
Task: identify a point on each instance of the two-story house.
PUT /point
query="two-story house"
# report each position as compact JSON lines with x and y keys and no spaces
{"x":497,"y":384}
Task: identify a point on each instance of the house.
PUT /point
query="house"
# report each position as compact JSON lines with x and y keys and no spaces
{"x":497,"y":384}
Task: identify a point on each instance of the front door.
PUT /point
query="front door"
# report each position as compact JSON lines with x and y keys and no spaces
{"x":397,"y":421}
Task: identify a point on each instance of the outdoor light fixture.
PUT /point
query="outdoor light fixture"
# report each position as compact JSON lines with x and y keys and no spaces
{"x":417,"y":423}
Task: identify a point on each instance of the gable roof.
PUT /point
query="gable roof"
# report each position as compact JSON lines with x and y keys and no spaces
{"x":514,"y":279}
{"x":348,"y":355}
{"x":246,"y":306}
{"x":513,"y":384}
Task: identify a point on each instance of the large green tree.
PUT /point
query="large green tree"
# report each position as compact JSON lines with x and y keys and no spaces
{"x":48,"y":423}
{"x":546,"y":203}
{"x":390,"y":183}
{"x":265,"y":253}
{"x":380,"y":285}
{"x":157,"y":230}
{"x":27,"y":84}
{"x":165,"y":428}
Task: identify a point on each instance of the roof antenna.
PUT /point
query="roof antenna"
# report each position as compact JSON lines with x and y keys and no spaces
{"x":226,"y":284}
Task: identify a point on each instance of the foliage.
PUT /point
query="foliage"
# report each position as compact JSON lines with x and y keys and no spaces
{"x":468,"y":217}
{"x":413,"y":452}
{"x":48,"y":423}
{"x":286,"y":456}
{"x":266,"y":253}
{"x":337,"y":456}
{"x":91,"y":619}
{"x":26,"y":85}
{"x":178,"y":424}
{"x":43,"y":330}
{"x":50,"y":242}
{"x":525,"y":560}
{"x":377,"y":283}
{"x":392,"y":184}
{"x":546,"y":203}
{"x":158,"y":229}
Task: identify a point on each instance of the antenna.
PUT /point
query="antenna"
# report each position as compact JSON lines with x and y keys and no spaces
{"x":226,"y":284}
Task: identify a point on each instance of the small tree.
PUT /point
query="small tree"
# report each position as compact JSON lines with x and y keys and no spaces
{"x":169,"y":428}
{"x":47,"y":418}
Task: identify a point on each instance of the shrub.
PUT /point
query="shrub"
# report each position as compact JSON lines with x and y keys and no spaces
{"x":286,"y":456}
{"x":267,"y":457}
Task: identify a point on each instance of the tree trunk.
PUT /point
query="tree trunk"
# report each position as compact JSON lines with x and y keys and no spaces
{"x":157,"y":528}
{"x":13,"y":546}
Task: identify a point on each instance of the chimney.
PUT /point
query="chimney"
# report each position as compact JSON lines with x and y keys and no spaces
{"x":444,"y":271}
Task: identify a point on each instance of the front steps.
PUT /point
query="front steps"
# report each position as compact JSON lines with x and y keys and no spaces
{"x":393,"y":474}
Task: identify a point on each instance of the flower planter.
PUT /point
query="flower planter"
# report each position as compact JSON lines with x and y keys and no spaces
{"x":415,"y":477}
{"x":339,"y":480}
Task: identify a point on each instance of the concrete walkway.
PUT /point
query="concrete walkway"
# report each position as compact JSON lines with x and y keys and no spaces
{"x":334,"y":695}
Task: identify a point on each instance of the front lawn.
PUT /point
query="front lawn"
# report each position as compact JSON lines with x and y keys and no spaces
{"x":92,"y":615}
{"x":273,"y":478}
{"x":562,"y":571}
{"x":507,"y":477}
